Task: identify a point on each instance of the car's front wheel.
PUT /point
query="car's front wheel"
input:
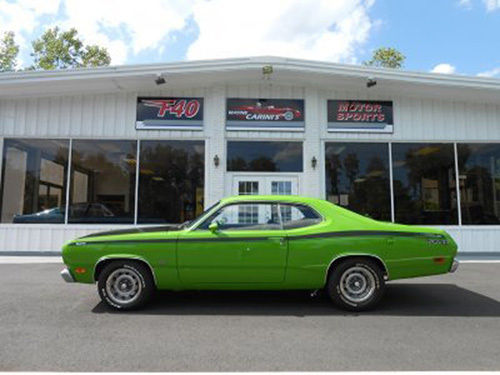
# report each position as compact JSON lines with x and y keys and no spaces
{"x":356,"y":284}
{"x":125,"y":285}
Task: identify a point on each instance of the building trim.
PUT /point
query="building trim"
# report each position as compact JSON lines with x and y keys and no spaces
{"x":250,"y":63}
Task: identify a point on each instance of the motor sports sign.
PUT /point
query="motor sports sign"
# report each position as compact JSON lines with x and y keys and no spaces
{"x":169,"y":113}
{"x":265,"y":114}
{"x":360,"y":116}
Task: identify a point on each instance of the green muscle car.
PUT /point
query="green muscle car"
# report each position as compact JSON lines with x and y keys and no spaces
{"x":260,"y":243}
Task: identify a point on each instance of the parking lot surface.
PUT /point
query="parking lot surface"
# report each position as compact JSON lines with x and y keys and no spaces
{"x":449,"y":322}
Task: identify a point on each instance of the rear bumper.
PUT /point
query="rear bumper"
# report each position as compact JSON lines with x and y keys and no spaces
{"x":454,"y":265}
{"x":67,"y":276}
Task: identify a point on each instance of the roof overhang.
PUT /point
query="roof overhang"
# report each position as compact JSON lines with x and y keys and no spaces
{"x":286,"y":71}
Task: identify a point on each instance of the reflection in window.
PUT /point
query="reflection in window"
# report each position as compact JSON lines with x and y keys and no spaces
{"x":248,"y":187}
{"x":357,"y":177}
{"x":245,"y":216}
{"x":424,"y":183}
{"x":297,"y":216}
{"x":102,"y":182}
{"x":281,"y":187}
{"x":34,"y":183}
{"x":171,"y":181}
{"x":264,"y":156}
{"x":479,"y":166}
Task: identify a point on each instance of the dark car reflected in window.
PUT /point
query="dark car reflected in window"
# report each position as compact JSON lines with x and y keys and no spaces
{"x":34,"y":180}
{"x":102,"y":181}
{"x":82,"y":212}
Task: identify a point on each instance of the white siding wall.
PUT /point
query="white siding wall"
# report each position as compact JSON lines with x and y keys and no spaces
{"x":113,"y":116}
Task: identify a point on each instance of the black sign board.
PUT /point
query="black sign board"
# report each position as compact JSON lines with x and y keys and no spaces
{"x":169,"y":113}
{"x":360,"y":116}
{"x":265,"y":114}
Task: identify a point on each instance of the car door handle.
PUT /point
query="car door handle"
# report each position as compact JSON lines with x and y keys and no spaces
{"x":280,"y":239}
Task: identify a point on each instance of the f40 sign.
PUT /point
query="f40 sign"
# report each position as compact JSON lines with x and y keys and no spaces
{"x":170,"y":113}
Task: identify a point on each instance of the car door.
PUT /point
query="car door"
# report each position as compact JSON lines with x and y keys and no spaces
{"x":249,"y":246}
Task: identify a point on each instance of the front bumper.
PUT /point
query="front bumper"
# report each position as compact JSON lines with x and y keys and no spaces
{"x":67,"y":276}
{"x":454,"y":265}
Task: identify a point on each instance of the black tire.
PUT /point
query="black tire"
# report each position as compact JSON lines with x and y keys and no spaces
{"x":355,"y":275}
{"x":136,"y":278}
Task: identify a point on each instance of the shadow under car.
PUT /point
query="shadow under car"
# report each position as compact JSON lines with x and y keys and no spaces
{"x":399,"y":300}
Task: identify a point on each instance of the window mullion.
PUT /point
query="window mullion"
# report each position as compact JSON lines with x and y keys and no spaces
{"x":137,"y":170}
{"x":457,"y":183}
{"x":391,"y":182}
{"x":68,"y":181}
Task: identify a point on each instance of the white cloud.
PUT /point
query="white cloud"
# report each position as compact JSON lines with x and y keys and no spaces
{"x":124,"y":27}
{"x":467,"y":4}
{"x":491,"y":5}
{"x":24,"y":16}
{"x":146,"y":25}
{"x":444,"y":69}
{"x":310,"y":29}
{"x":490,"y":73}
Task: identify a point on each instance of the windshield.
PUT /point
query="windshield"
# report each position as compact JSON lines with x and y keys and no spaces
{"x":196,"y":219}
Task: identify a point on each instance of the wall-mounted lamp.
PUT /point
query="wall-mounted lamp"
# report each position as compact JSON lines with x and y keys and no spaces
{"x":314,"y":162}
{"x":370,"y":82}
{"x":160,"y":80}
{"x":216,"y":160}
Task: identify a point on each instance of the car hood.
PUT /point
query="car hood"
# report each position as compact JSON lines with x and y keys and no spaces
{"x":149,"y":229}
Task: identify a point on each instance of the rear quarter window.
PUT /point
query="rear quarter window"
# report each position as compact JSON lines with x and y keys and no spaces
{"x":298,"y":216}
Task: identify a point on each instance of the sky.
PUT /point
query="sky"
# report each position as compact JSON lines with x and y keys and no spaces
{"x":443,"y":36}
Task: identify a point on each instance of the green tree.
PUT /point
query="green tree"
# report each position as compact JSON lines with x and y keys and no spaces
{"x":57,"y":49}
{"x":386,"y":57}
{"x":8,"y":52}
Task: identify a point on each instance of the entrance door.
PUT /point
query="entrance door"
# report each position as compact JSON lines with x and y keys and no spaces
{"x":265,"y":185}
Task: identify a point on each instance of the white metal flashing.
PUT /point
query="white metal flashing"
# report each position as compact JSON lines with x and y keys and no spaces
{"x":302,"y":68}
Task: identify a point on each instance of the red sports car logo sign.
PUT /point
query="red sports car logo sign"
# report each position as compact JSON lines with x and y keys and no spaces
{"x":265,"y":113}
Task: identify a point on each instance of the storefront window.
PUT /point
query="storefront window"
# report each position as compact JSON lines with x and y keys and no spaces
{"x":479,"y":166}
{"x":424,"y":183}
{"x":357,"y":178}
{"x":102,"y":182}
{"x":34,"y":181}
{"x":264,"y":156}
{"x":171,"y":181}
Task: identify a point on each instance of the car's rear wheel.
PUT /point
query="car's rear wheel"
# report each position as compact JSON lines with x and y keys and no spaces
{"x":356,"y":284}
{"x":125,"y":285}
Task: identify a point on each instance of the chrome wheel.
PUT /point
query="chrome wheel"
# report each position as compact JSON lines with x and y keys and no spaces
{"x":123,"y":286}
{"x":357,"y":284}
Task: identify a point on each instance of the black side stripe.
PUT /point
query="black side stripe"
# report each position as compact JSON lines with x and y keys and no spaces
{"x":354,"y":233}
{"x":364,"y":233}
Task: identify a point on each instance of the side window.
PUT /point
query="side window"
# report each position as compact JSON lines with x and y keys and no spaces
{"x":296,"y":216}
{"x":245,"y":216}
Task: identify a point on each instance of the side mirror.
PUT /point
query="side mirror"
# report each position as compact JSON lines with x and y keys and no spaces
{"x":213,"y":227}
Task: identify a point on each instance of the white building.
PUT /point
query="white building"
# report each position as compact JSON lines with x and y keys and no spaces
{"x":134,"y":150}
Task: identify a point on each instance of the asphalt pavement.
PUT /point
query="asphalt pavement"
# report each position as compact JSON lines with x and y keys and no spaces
{"x":448,"y":322}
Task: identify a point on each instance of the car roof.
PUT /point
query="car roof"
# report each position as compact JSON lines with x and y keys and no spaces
{"x":272,"y":198}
